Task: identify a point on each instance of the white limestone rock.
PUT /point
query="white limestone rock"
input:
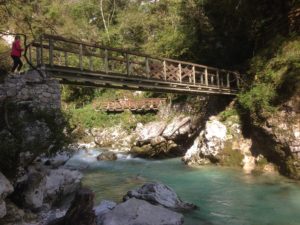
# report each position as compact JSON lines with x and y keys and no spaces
{"x":61,"y":182}
{"x":151,"y":130}
{"x":5,"y":189}
{"x":140,"y":212}
{"x":178,"y":126}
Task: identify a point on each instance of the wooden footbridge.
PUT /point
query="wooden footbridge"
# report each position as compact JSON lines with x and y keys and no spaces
{"x":134,"y":105}
{"x":79,"y":63}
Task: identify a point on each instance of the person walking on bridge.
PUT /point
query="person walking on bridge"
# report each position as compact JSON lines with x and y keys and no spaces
{"x":16,"y":53}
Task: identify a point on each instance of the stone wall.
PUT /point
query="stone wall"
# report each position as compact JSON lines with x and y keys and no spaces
{"x":31,"y":87}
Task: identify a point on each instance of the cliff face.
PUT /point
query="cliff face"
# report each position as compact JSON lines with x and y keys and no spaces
{"x":278,"y":138}
{"x":269,"y":115}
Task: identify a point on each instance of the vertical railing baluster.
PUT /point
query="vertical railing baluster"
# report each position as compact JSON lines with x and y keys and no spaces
{"x":194,"y":75}
{"x":218,"y":79}
{"x":206,"y":76}
{"x":91,"y":63}
{"x":228,"y":81}
{"x":180,"y":72}
{"x":66,"y":59}
{"x":127,"y":65}
{"x":41,"y":51}
{"x":106,"y":60}
{"x":29,"y":51}
{"x":165,"y":70}
{"x":51,"y":52}
{"x":147,"y":67}
{"x":38,"y":56}
{"x":80,"y":57}
{"x":237,"y":80}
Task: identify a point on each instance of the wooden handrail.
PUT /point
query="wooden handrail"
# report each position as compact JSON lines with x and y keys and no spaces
{"x":126,"y":51}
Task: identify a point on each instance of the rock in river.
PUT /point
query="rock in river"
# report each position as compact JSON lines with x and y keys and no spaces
{"x":108,"y":156}
{"x":160,"y":194}
{"x":139,"y":212}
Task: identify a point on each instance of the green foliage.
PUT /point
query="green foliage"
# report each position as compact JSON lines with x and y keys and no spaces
{"x":277,"y":72}
{"x":229,"y":112}
{"x":88,"y":117}
{"x":230,"y":157}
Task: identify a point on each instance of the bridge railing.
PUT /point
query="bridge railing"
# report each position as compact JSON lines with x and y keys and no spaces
{"x":130,"y":104}
{"x":54,"y":51}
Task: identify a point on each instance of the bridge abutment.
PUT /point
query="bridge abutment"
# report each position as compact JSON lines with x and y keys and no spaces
{"x":42,"y":92}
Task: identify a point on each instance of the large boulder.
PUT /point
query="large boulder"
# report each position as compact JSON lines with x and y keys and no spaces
{"x":101,"y":209}
{"x":160,"y":194}
{"x":61,"y":182}
{"x":178,"y":127}
{"x":34,"y":190}
{"x":139,"y":212}
{"x":81,"y":210}
{"x":5,"y":189}
{"x":150,"y":131}
{"x":208,"y":145}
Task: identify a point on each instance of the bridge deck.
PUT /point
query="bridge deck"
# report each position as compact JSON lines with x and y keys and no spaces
{"x":80,"y":63}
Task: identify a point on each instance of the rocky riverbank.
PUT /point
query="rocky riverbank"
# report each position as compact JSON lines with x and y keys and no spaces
{"x":28,"y":197}
{"x":151,"y":204}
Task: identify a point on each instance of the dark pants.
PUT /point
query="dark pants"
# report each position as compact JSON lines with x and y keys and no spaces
{"x":17,"y":63}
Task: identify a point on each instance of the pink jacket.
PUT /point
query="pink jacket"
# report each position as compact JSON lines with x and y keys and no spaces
{"x":16,"y":49}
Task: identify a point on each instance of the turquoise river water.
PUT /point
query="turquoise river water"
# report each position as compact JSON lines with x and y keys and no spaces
{"x":224,"y":196}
